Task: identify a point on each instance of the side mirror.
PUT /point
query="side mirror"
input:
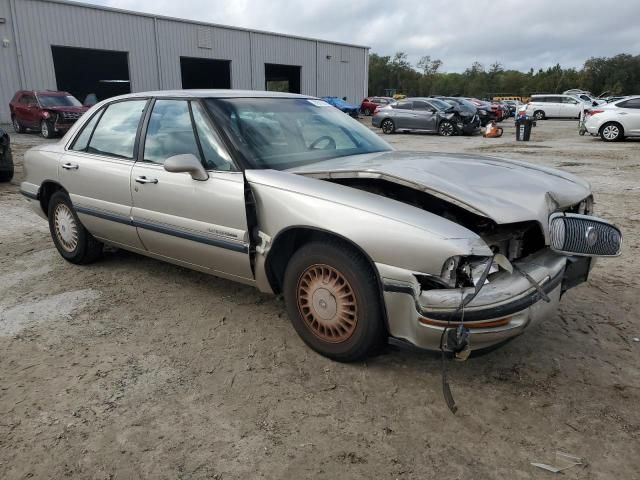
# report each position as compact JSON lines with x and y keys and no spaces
{"x":433,"y":110}
{"x":186,"y":163}
{"x":594,"y":104}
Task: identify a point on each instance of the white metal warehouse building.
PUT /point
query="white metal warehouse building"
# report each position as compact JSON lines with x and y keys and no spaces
{"x":87,"y":49}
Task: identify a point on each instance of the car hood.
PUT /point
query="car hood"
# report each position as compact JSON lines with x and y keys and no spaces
{"x":503,"y":190}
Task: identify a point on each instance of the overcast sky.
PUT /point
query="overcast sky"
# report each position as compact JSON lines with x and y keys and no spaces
{"x":519,"y":34}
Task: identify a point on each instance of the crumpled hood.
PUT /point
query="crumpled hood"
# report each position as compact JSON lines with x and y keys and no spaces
{"x":503,"y":190}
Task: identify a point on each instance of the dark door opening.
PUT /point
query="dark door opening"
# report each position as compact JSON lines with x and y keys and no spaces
{"x":86,"y":72}
{"x":282,"y":78}
{"x":205,"y":73}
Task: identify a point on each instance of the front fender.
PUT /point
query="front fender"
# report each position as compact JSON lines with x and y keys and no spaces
{"x":388,"y":231}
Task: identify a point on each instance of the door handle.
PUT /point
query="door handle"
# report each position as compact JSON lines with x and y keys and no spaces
{"x":144,"y":179}
{"x":70,"y":166}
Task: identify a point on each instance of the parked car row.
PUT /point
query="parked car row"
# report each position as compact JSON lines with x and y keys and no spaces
{"x":49,"y":112}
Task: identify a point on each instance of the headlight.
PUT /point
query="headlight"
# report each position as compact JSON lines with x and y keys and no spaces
{"x":458,"y":272}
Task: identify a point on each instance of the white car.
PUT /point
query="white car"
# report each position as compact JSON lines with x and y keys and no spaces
{"x":555,"y":106}
{"x":615,"y":121}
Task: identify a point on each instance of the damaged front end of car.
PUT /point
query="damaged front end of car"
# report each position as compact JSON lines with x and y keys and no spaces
{"x":495,"y":296}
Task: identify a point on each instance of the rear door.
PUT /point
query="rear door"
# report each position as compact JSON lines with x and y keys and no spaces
{"x":96,"y":170}
{"x":403,"y":115}
{"x":26,"y":110}
{"x":197,"y":223}
{"x":630,"y":116}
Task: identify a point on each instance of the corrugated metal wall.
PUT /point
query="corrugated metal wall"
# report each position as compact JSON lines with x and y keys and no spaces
{"x":9,"y":74}
{"x":326,"y":68}
{"x":285,"y":51}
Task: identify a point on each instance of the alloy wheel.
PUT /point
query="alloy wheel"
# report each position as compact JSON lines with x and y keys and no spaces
{"x":66,"y":228}
{"x":387,"y":126}
{"x":44,"y":129}
{"x":327,"y":303}
{"x":16,"y":125}
{"x":446,"y":129}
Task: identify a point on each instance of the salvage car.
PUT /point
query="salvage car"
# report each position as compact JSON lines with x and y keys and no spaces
{"x":615,"y":121}
{"x":6,"y":159}
{"x":425,"y":115}
{"x":285,"y":193}
{"x":50,"y":112}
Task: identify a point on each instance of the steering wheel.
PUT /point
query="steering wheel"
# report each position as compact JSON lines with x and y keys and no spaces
{"x":331,"y":143}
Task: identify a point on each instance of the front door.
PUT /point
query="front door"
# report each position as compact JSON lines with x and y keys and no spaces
{"x":96,"y":171}
{"x":194,"y":222}
{"x":425,"y":115}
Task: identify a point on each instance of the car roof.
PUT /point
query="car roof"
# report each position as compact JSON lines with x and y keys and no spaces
{"x":212,"y":93}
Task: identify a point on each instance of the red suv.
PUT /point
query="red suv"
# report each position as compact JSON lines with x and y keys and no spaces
{"x":369,"y":105}
{"x":48,"y":111}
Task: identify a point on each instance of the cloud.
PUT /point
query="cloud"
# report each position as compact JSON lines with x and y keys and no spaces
{"x":519,"y":35}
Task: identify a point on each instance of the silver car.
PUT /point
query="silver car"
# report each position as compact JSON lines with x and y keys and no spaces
{"x":425,"y":115}
{"x":286,"y":193}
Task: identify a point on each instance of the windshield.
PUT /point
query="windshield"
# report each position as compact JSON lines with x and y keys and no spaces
{"x":281,"y":133}
{"x":59,"y":101}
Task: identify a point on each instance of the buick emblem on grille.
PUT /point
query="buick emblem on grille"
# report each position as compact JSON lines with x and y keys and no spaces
{"x":591,"y":236}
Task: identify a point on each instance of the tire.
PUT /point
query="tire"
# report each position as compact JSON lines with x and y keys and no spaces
{"x":73,"y":241}
{"x":46,"y":129}
{"x":611,"y":132}
{"x":539,"y":115}
{"x":345,"y":329}
{"x":387,"y":126}
{"x":446,"y":129}
{"x":7,"y":175}
{"x":366,"y":112}
{"x":17,"y":127}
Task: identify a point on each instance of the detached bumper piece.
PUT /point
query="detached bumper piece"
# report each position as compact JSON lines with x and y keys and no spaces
{"x":503,"y":308}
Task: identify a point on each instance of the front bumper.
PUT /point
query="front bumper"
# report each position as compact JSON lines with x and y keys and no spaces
{"x":503,"y":309}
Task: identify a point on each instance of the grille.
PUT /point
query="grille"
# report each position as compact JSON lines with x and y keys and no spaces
{"x":584,"y":235}
{"x":71,"y":115}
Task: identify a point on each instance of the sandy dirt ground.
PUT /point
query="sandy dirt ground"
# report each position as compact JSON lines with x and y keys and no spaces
{"x":131,"y":368}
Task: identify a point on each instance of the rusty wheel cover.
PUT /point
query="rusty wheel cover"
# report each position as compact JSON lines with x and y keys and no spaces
{"x":327,"y":303}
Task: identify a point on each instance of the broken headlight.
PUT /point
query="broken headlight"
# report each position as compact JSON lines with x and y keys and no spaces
{"x":459,"y":272}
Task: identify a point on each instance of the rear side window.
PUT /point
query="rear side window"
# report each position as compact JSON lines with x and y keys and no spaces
{"x":82,"y":140}
{"x":404,"y":105}
{"x":170,"y":132}
{"x":115,"y":134}
{"x":633,"y":103}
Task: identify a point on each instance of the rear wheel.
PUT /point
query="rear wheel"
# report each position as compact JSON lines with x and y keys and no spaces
{"x":446,"y":128}
{"x":72,"y":240}
{"x":611,"y":132}
{"x":16,"y":125}
{"x":539,"y":115}
{"x":388,"y":126}
{"x":332,"y":300}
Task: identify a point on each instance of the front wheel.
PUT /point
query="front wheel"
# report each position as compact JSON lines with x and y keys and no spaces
{"x":332,"y":299}
{"x":46,"y":129}
{"x":388,"y":127}
{"x":446,"y":128}
{"x":366,"y":112}
{"x":73,"y":241}
{"x":611,"y":132}
{"x":539,"y":115}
